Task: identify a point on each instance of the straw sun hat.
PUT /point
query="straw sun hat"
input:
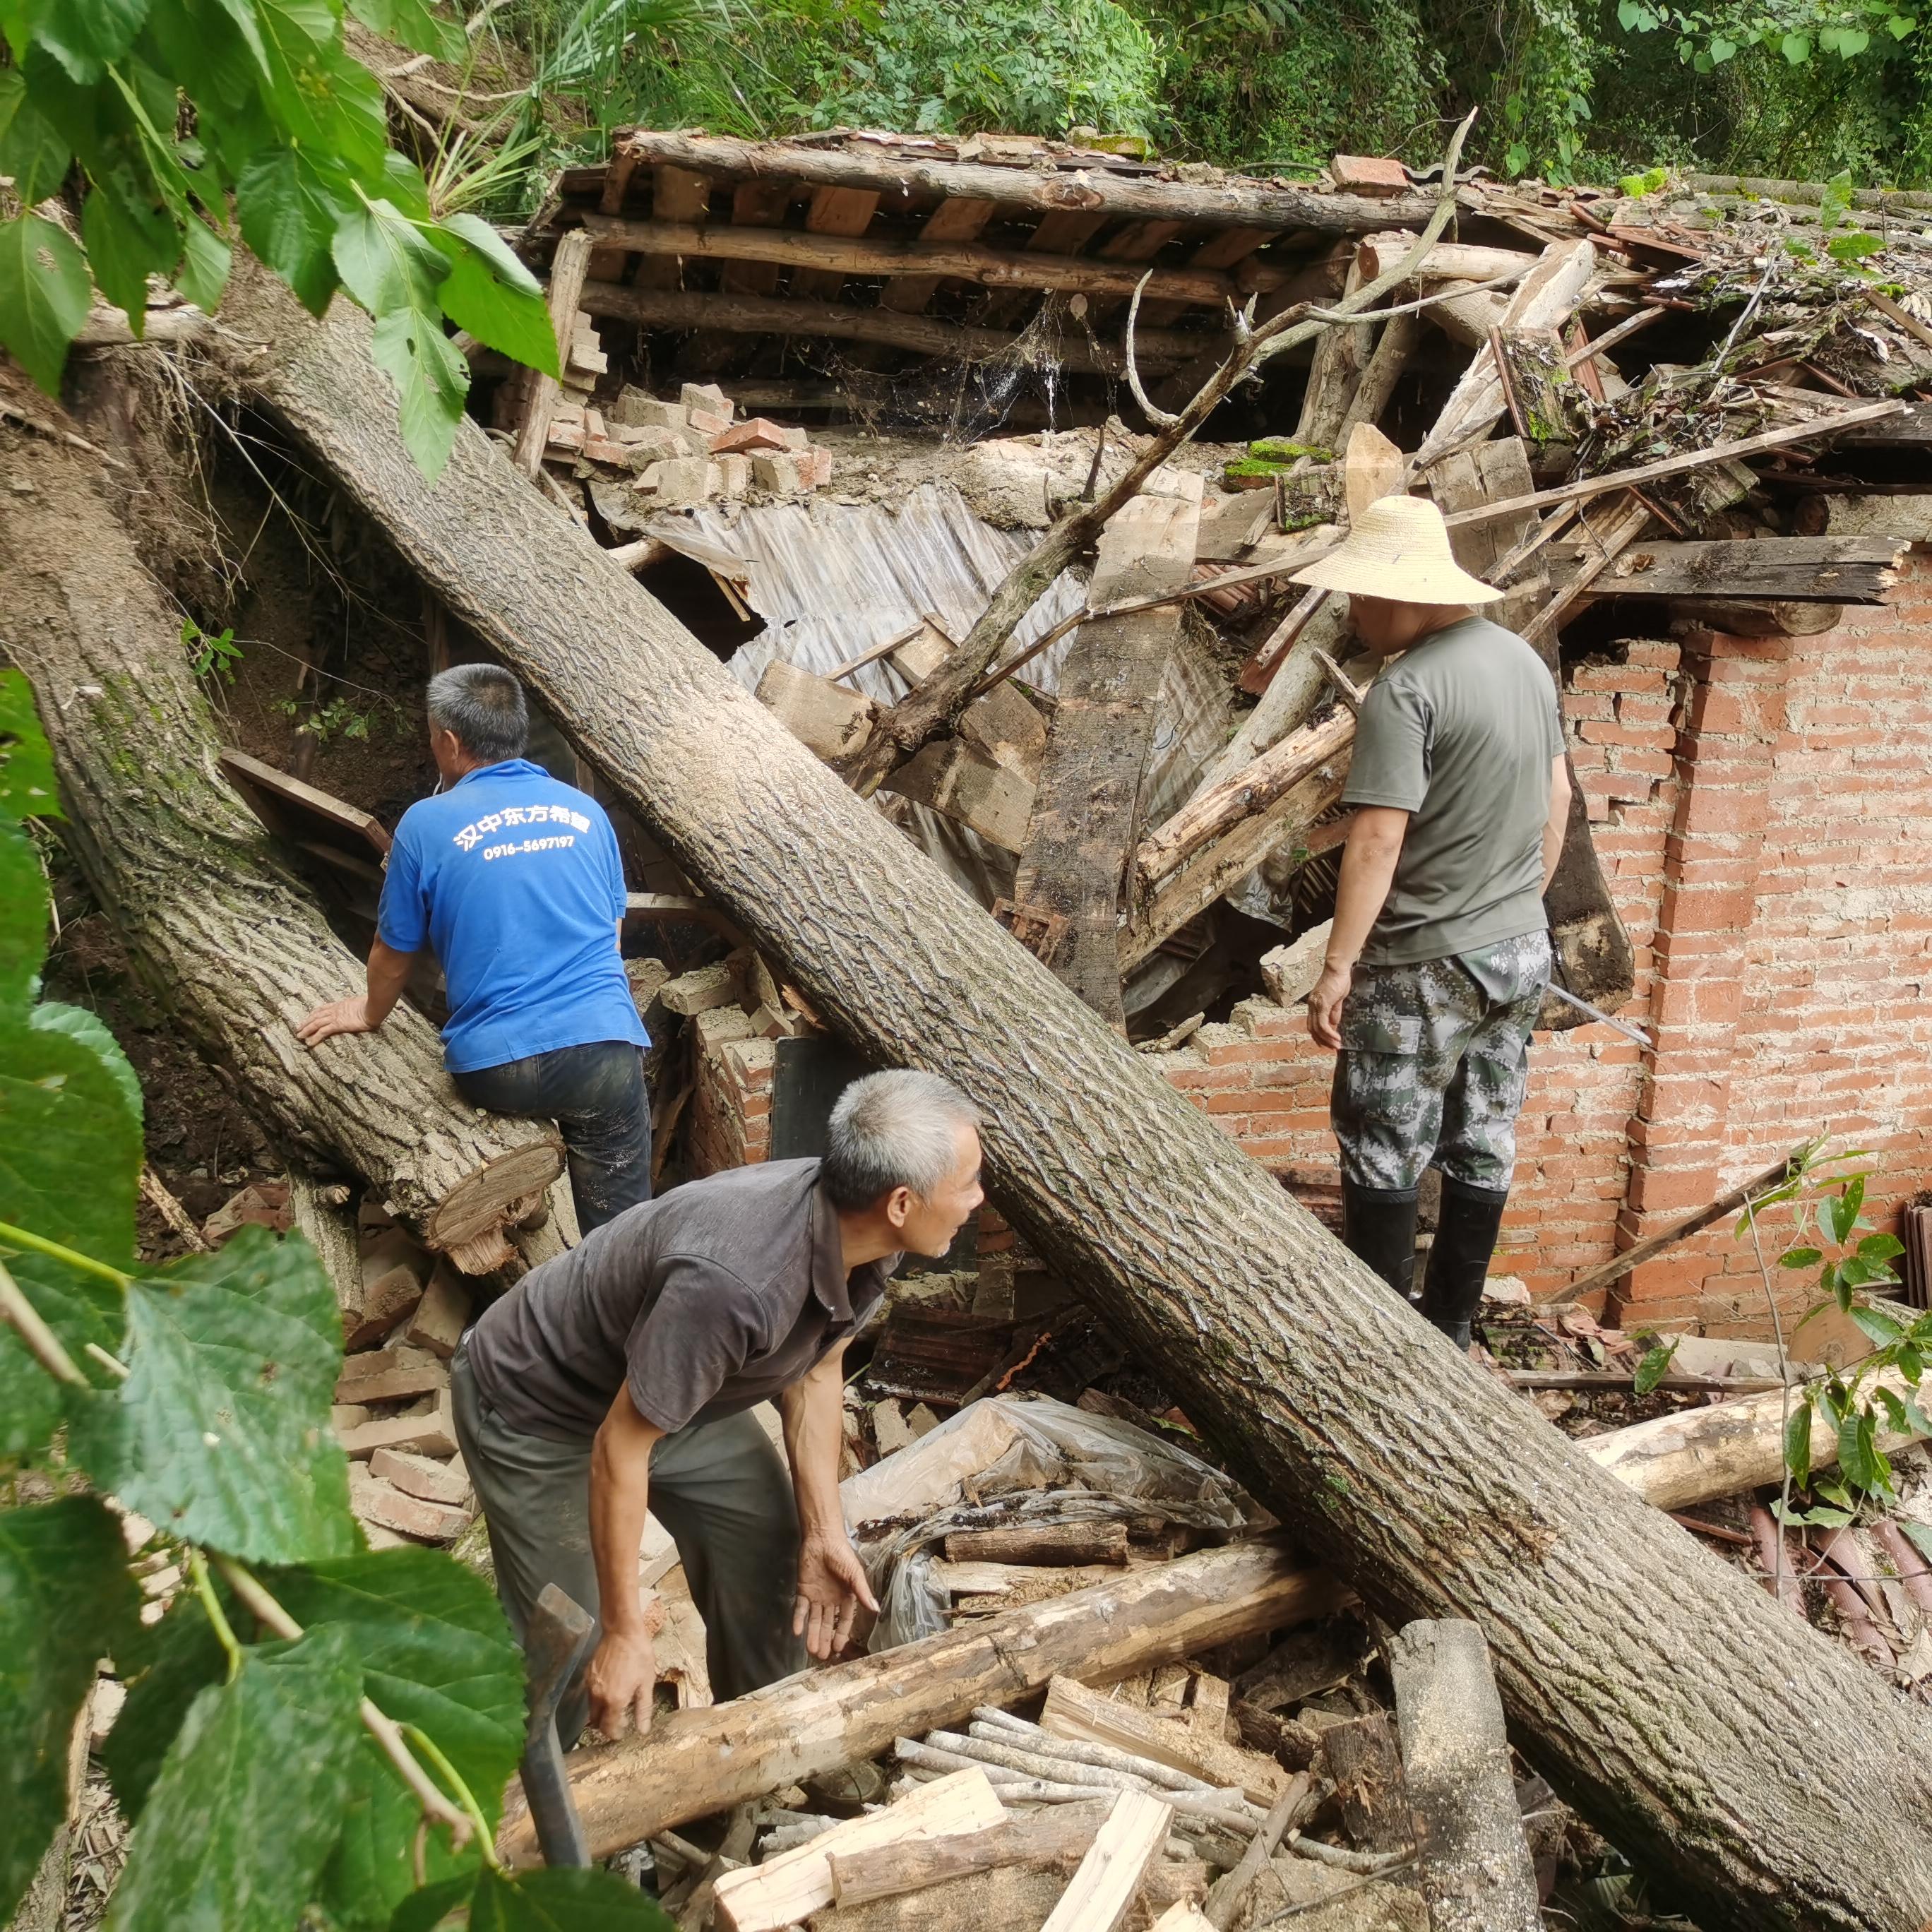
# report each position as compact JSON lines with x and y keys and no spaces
{"x":1399,"y":548}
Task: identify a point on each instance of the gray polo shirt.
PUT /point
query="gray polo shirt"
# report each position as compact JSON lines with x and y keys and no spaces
{"x":1460,"y":732}
{"x":707,"y":1299}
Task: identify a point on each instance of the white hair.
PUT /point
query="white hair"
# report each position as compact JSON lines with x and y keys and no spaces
{"x":899,"y":1129}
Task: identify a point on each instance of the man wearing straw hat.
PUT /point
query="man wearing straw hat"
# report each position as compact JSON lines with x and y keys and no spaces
{"x":1440,"y":949}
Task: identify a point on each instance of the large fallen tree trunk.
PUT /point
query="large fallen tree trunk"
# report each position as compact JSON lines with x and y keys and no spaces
{"x":1662,"y":1693}
{"x":699,"y":1761}
{"x":234,"y":946}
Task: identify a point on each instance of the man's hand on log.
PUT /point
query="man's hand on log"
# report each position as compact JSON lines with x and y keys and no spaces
{"x":832,"y":1586}
{"x":622,"y":1674}
{"x":1324,"y":1007}
{"x":350,"y":1015}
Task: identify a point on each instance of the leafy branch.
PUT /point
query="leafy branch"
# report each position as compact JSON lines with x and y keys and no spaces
{"x":311,"y":1723}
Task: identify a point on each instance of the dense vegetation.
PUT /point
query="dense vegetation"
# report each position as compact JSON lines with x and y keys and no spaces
{"x":1571,"y":89}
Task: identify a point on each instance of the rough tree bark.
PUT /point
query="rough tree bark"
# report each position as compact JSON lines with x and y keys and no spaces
{"x":235,"y":946}
{"x":1706,"y":1731}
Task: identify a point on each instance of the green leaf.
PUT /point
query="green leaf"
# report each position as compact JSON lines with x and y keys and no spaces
{"x":23,"y":922}
{"x":32,"y":150}
{"x":1654,"y":1367}
{"x":1798,"y":1441}
{"x":27,"y":786}
{"x":385,"y":261}
{"x":1857,"y":1456}
{"x":437,"y":1653}
{"x":1854,"y":247}
{"x":1877,"y":1324}
{"x":1796,"y":48}
{"x":490,"y":293}
{"x":416,"y":25}
{"x":560,"y":1899}
{"x":84,"y":35}
{"x":250,"y":1798}
{"x":44,"y":292}
{"x":289,"y":208}
{"x":1900,"y":25}
{"x":1800,"y":1258}
{"x":171,"y":1662}
{"x":206,"y":260}
{"x":1921,"y":1536}
{"x":1852,"y":41}
{"x":1888,"y":1400}
{"x":66,"y":1600}
{"x":1880,"y":1247}
{"x":1721,"y":50}
{"x":431,"y":381}
{"x":127,"y":242}
{"x":221,"y":1432}
{"x":1844,"y":1208}
{"x":77,"y":1023}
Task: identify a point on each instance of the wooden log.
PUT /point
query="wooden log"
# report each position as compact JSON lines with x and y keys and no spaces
{"x":1073,"y":1711}
{"x":1383,"y":369}
{"x":1365,"y":1768}
{"x":1673,"y":1460}
{"x":958,"y":218}
{"x":700,"y":1761}
{"x":1438,"y":1486}
{"x":1476,"y":1871}
{"x":1055,"y":1837}
{"x":1050,"y":1543}
{"x":765,"y":315}
{"x":1335,"y":371}
{"x":1103,"y":1890}
{"x":235,"y":946}
{"x":968,"y":261}
{"x":1466,"y":313}
{"x":1074,"y":187}
{"x":567,"y":270}
{"x":1086,"y":808}
{"x":825,"y":718}
{"x":1828,"y":570}
{"x":1756,"y":619}
{"x":787,"y":1889}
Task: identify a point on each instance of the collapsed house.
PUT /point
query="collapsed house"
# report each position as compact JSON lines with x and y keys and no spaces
{"x":831,"y":935}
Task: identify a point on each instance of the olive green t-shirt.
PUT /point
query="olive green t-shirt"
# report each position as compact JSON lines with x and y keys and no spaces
{"x":1459,"y":732}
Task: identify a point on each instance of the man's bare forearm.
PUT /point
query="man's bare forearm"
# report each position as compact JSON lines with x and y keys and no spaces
{"x":388,"y":973}
{"x":813,"y":1411}
{"x":620,"y":1499}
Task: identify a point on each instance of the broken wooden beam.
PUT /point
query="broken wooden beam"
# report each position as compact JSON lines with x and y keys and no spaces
{"x":1476,"y":1871}
{"x":964,"y":261}
{"x":1058,"y":1835}
{"x":1826,"y":570}
{"x":776,"y":315}
{"x":567,"y":273}
{"x":1611,"y":1631}
{"x":1074,"y":186}
{"x":701,"y":1760}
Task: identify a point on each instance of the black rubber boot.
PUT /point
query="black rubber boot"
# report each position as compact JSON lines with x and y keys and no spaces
{"x":1379,"y":1226}
{"x":1459,"y":1262}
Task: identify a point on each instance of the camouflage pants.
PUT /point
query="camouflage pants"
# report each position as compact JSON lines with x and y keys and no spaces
{"x":1434,"y":1059}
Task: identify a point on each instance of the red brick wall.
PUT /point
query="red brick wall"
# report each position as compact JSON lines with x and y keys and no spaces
{"x":1761,"y":809}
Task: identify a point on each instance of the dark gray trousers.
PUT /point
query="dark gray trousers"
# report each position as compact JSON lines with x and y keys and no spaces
{"x":720,"y":1488}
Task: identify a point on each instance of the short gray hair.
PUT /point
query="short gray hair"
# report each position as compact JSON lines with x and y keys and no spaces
{"x":484,"y":706}
{"x":899,"y":1129}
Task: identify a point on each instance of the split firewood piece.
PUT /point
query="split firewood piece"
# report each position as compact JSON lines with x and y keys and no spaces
{"x":568,"y":269}
{"x":1110,"y":1874}
{"x":952,"y":779}
{"x":1543,"y":399}
{"x":998,"y":1899}
{"x":1072,"y":1710}
{"x":1371,"y":469}
{"x":1476,"y":1871}
{"x":1060,"y":1837}
{"x":1365,"y":1768}
{"x":787,"y":1889}
{"x":1046,"y":1542}
{"x":829,"y":720}
{"x":1394,"y":348}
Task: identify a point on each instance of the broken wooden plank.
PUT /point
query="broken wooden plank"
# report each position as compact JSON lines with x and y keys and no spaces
{"x":1073,"y":1711}
{"x":830,"y":720}
{"x":699,"y":1762}
{"x":1059,"y":1835}
{"x":787,"y":1889}
{"x":767,"y":315}
{"x":956,"y":219}
{"x":568,"y":269}
{"x":833,"y":211}
{"x":1086,"y":807}
{"x":1110,"y":1875}
{"x":1005,"y":724}
{"x":1825,"y":570}
{"x":1137,"y":196}
{"x":952,"y":777}
{"x":1048,"y":1542}
{"x":759,"y":204}
{"x":1476,"y":1871}
{"x":760,"y":251}
{"x":1366,"y":1768}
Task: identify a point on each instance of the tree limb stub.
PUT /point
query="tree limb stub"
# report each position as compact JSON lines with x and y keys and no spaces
{"x":1655,"y":1685}
{"x":932,"y":707}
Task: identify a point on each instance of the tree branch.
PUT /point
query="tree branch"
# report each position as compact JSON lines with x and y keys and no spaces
{"x":932,"y":706}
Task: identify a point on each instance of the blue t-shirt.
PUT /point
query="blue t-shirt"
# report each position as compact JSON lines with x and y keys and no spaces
{"x":515,"y":880}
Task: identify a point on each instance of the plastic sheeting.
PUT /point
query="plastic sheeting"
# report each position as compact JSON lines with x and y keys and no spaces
{"x":832,"y":580}
{"x":1064,"y":1465}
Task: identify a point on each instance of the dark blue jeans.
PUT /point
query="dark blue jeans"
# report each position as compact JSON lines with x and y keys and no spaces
{"x":597,"y":1096}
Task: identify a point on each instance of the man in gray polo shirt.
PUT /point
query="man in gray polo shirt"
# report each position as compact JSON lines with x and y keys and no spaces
{"x":619,"y":1379}
{"x":1440,"y":949}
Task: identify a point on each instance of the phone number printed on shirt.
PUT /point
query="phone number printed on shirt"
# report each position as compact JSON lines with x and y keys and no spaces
{"x":472,"y":834}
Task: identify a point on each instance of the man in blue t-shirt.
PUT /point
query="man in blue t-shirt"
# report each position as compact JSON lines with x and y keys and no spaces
{"x":514,"y":881}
